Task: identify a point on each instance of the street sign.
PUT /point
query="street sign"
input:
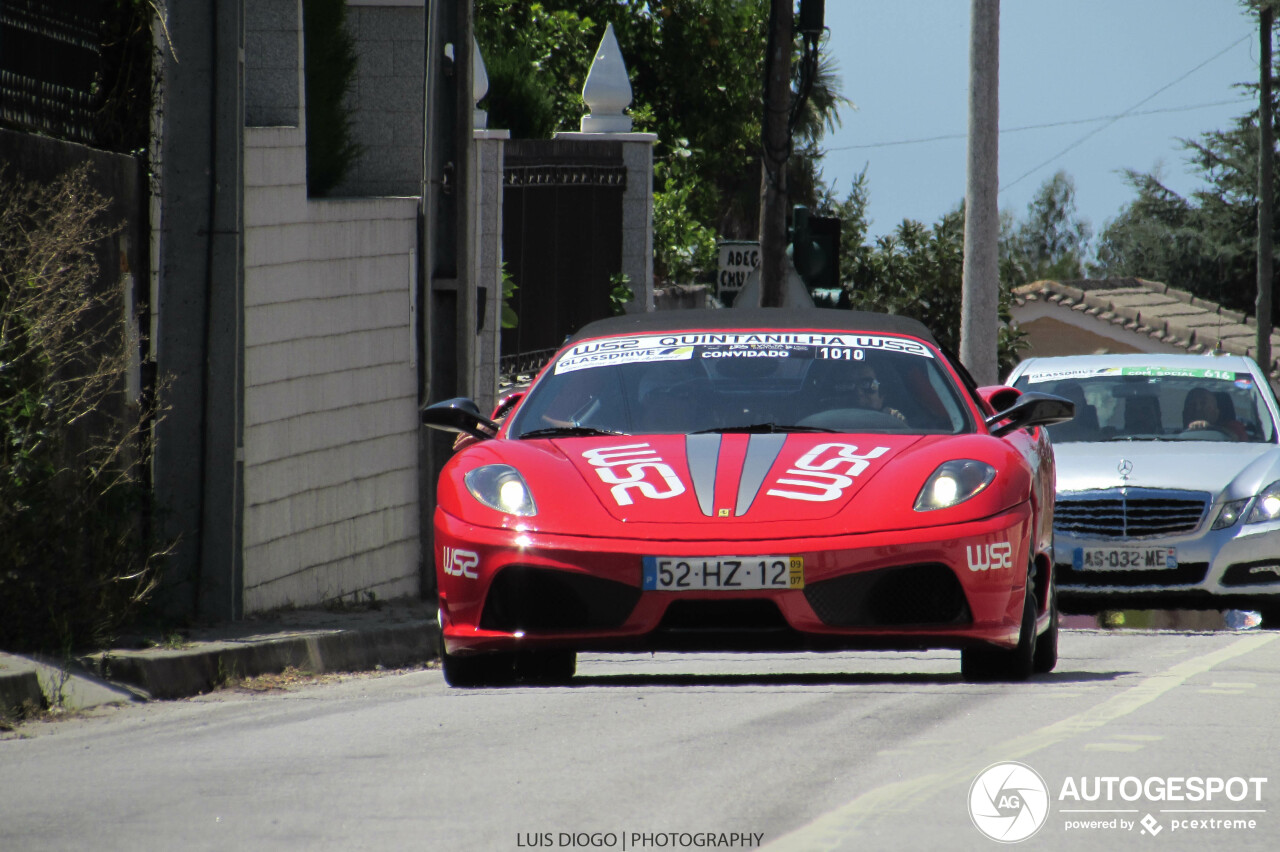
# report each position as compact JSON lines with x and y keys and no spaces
{"x":738,"y":259}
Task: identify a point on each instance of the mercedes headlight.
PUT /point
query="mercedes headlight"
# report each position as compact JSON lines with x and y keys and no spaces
{"x":1266,"y":507}
{"x":953,"y":483}
{"x":1230,"y":513}
{"x":501,"y":487}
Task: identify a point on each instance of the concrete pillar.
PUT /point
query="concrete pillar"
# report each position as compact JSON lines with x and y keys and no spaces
{"x":607,"y":91}
{"x":490,"y":145}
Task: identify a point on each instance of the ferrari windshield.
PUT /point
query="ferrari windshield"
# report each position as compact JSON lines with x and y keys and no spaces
{"x":1157,"y":403}
{"x":744,"y":381}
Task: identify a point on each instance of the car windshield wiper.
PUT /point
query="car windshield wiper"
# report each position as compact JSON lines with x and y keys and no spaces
{"x":766,"y":428}
{"x":568,"y":432}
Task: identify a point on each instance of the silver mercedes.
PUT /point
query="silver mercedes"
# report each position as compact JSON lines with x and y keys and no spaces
{"x":1168,"y":491}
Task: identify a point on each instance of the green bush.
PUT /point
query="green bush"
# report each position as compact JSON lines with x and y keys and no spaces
{"x":329,"y":56}
{"x":76,"y":560}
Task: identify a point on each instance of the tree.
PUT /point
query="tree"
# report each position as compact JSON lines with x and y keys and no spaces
{"x":1204,"y":243}
{"x":915,"y":271}
{"x":696,"y":73}
{"x":1050,"y":242}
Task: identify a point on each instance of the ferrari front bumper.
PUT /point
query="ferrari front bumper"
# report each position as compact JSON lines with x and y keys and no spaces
{"x":928,"y":587}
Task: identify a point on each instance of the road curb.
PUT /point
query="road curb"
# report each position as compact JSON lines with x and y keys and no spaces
{"x":19,"y":686}
{"x":182,"y":673}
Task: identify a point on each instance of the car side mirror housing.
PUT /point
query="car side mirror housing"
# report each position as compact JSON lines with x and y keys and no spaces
{"x":1028,"y":410}
{"x":459,"y":415}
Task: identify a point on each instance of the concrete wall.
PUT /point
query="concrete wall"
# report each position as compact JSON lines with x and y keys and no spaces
{"x":330,"y":489}
{"x":330,"y":429}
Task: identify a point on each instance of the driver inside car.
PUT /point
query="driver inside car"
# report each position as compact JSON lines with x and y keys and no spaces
{"x":867,"y":392}
{"x":1201,"y":411}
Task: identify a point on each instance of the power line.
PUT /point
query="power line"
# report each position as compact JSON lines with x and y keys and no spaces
{"x":1124,"y":114}
{"x":954,"y":136}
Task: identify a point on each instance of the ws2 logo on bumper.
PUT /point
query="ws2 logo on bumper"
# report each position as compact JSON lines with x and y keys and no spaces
{"x":461,"y":563}
{"x":989,"y":557}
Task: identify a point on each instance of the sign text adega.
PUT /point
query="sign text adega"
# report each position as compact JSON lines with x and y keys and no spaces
{"x":737,"y":260}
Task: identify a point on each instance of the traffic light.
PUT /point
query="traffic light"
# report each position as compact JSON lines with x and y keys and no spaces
{"x":815,"y":249}
{"x":809,"y":20}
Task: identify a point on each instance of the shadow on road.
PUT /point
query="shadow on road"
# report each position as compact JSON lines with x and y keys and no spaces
{"x":821,"y":679}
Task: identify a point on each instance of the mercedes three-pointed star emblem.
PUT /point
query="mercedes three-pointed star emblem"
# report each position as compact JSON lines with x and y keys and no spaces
{"x":1125,"y":467}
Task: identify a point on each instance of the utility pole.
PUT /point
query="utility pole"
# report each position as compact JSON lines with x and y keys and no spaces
{"x":775,"y":151}
{"x":980,"y":285}
{"x":1266,"y":167}
{"x":447,"y":299}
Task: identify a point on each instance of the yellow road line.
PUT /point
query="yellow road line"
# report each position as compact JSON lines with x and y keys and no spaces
{"x":836,"y":827}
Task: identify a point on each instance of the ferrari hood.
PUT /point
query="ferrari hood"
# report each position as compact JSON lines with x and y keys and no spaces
{"x":1197,"y":465}
{"x":730,"y":477}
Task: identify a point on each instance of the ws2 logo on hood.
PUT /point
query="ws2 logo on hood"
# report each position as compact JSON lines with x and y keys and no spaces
{"x":636,"y":460}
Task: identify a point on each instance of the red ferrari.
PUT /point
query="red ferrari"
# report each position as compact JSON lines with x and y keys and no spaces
{"x":747,"y":479}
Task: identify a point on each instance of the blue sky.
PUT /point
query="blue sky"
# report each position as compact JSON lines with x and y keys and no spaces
{"x":1169,"y":67}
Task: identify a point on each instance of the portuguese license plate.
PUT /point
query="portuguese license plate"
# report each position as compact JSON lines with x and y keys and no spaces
{"x":722,"y":573}
{"x":1125,"y":558}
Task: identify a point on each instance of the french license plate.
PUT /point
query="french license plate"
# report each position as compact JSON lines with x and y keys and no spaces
{"x":1125,"y":558}
{"x":722,"y":573}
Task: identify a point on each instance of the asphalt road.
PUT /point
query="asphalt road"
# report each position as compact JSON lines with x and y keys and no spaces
{"x":862,"y":751}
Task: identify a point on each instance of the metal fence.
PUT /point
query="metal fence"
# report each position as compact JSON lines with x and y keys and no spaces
{"x":517,"y":370}
{"x":76,"y":70}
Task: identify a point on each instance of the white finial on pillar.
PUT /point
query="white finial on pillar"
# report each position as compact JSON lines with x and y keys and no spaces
{"x":607,"y":90}
{"x":479,"y":86}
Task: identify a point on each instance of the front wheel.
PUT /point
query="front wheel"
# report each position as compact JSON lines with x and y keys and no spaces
{"x":984,"y":663}
{"x":1270,"y":615}
{"x":492,"y":669}
{"x":549,"y":668}
{"x":1046,"y":653}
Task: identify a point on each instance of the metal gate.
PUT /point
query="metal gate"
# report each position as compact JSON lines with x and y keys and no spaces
{"x":561,"y":236}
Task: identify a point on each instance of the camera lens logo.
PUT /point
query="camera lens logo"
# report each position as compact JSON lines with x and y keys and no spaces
{"x":1008,"y":802}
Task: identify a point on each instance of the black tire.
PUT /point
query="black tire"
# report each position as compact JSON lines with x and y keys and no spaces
{"x":478,"y":669}
{"x":1270,"y":615}
{"x":1045,"y":658}
{"x":985,"y":663}
{"x":493,"y":669}
{"x":550,"y":668}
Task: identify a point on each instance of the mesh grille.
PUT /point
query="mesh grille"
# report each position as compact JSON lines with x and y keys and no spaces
{"x":524,"y":597}
{"x":926,"y":594}
{"x":1130,"y":513}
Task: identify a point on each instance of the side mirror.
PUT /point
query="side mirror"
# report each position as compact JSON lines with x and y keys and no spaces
{"x":999,"y":397}
{"x":459,"y":415}
{"x":1031,"y":409}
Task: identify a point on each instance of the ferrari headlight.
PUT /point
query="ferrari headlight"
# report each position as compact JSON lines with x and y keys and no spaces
{"x":953,"y":483}
{"x":1267,"y":505}
{"x":1230,"y":513}
{"x":501,"y":487}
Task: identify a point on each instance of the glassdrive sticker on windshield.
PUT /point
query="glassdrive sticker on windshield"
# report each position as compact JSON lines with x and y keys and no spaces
{"x":1090,"y":372}
{"x":626,"y":350}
